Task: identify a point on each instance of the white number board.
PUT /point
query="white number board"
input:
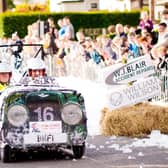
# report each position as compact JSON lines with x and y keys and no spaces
{"x":138,"y":92}
{"x":45,"y":138}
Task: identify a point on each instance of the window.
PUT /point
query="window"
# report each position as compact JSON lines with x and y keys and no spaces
{"x":93,"y":5}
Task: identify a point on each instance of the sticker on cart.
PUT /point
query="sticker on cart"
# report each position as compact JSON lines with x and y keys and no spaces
{"x":47,"y":126}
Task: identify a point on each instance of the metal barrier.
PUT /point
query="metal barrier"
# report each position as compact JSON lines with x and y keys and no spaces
{"x":77,"y":66}
{"x":162,"y":75}
{"x":73,"y":66}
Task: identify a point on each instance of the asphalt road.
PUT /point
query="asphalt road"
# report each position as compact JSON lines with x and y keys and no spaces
{"x":101,"y":152}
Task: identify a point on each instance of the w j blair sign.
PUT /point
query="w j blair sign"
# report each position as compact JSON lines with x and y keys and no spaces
{"x":133,"y":70}
{"x":140,"y":91}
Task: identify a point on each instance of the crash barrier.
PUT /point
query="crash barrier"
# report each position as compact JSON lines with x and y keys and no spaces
{"x":74,"y":66}
{"x":77,"y":66}
{"x":162,"y":75}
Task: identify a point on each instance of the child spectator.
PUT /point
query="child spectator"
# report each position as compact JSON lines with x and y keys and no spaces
{"x":133,"y":47}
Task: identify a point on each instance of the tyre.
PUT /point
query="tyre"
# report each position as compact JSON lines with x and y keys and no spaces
{"x":78,"y":151}
{"x":6,"y":154}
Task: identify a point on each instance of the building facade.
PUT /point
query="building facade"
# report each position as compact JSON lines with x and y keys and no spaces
{"x":73,"y":5}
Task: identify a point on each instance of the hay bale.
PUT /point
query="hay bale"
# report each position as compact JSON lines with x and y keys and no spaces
{"x":136,"y":121}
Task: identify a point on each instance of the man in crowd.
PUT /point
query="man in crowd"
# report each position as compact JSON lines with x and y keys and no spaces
{"x":162,"y":35}
{"x":164,"y":16}
{"x":69,"y":30}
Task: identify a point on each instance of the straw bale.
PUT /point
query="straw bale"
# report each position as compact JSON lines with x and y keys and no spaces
{"x":136,"y":121}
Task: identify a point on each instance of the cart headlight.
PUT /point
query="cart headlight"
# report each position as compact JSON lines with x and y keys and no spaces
{"x":71,"y":114}
{"x":17,"y":115}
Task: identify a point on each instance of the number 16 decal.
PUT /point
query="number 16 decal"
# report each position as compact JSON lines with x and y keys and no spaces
{"x":45,"y":114}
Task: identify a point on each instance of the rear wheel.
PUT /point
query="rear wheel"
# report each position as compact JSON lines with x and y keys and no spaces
{"x":78,"y":151}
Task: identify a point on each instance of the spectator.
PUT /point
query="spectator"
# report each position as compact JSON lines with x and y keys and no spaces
{"x":80,"y":37}
{"x":107,"y":47}
{"x":154,"y":34}
{"x":145,"y":22}
{"x":150,"y":40}
{"x":17,"y":58}
{"x":133,"y":47}
{"x":30,"y":39}
{"x":162,"y":35}
{"x":144,"y":45}
{"x":50,"y":26}
{"x":86,"y":47}
{"x":144,"y":32}
{"x":163,"y":58}
{"x":111,"y":31}
{"x":119,"y":29}
{"x":124,"y":49}
{"x":164,"y":17}
{"x":49,"y":44}
{"x":94,"y":54}
{"x":126,"y":29}
{"x":132,"y":29}
{"x":69,"y":31}
{"x":61,"y":31}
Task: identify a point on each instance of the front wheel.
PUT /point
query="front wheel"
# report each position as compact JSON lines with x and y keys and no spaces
{"x":78,"y":151}
{"x":7,"y":154}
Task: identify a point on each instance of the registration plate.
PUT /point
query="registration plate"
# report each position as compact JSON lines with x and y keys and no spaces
{"x":45,"y":138}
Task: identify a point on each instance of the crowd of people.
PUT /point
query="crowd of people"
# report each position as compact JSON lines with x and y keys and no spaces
{"x":121,"y":43}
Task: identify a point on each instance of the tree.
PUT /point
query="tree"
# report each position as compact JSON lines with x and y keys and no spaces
{"x":6,"y":4}
{"x":10,"y":4}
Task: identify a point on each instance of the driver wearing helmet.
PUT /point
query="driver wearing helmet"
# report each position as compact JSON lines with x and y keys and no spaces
{"x":36,"y":68}
{"x":36,"y":73}
{"x":5,"y":75}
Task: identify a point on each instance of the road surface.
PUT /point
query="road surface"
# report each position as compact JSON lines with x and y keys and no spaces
{"x":102,"y":152}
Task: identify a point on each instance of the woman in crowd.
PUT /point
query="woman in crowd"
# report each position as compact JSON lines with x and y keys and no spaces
{"x":145,"y":22}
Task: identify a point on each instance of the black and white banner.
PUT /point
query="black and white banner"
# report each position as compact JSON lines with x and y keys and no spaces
{"x":140,"y":91}
{"x":133,"y":70}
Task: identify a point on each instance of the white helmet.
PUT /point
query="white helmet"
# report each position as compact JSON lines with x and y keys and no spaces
{"x":5,"y":67}
{"x":36,"y":63}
